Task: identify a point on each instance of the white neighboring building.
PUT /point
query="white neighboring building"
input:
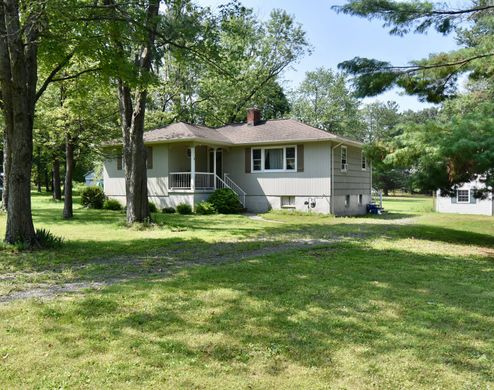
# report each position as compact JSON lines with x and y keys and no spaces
{"x":464,"y":201}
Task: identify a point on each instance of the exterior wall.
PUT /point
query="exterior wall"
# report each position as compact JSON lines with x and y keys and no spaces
{"x":260,"y":204}
{"x":114,"y":179}
{"x":353,"y":182}
{"x":264,"y":189}
{"x":444,"y":204}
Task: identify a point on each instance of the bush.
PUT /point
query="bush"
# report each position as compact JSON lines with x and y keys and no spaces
{"x":112,"y":204}
{"x":168,"y":210}
{"x":205,"y":208}
{"x":47,"y":239}
{"x":225,"y":201}
{"x":152,"y":208}
{"x":92,"y":197}
{"x":184,"y":209}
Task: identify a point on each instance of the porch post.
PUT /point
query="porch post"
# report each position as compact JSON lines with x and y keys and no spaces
{"x":193,"y":167}
{"x":214,"y":167}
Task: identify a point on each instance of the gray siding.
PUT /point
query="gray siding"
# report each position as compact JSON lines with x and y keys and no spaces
{"x":313,"y":181}
{"x":354,"y":181}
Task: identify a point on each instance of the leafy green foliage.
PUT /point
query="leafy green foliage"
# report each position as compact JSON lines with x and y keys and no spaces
{"x":434,"y":78}
{"x":152,"y":207}
{"x":93,"y":197}
{"x":225,"y":201}
{"x":205,"y":208}
{"x":112,"y":204}
{"x":402,"y":16}
{"x":47,"y":239}
{"x":455,"y":148}
{"x":325,"y":101}
{"x":184,"y":209}
{"x":168,"y":210}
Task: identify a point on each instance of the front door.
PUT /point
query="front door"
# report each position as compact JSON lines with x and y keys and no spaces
{"x":219,"y":162}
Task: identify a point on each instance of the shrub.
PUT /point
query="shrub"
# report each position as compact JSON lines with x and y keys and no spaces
{"x":168,"y":210}
{"x":152,"y":208}
{"x":112,"y":204}
{"x":184,"y":209}
{"x":47,"y":239}
{"x":205,"y":208}
{"x":93,"y":197}
{"x":225,"y":201}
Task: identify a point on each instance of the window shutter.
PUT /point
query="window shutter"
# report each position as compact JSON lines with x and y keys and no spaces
{"x":247,"y":160}
{"x":300,"y":158}
{"x":119,"y":163}
{"x":453,"y":198}
{"x":149,"y":157}
{"x":473,"y":199}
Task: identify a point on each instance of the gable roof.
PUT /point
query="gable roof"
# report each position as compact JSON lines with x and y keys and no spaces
{"x":265,"y":132}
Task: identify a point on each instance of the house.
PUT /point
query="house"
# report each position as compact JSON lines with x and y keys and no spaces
{"x":275,"y":164}
{"x":91,"y":179}
{"x":465,"y":202}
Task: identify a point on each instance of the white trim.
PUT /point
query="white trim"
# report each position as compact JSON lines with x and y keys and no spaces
{"x":344,"y":167}
{"x":457,"y":198}
{"x":263,"y":170}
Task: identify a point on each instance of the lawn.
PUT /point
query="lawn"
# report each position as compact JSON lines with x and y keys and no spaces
{"x":403,"y":300}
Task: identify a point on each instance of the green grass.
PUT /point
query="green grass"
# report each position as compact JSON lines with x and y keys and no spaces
{"x":402,"y":300}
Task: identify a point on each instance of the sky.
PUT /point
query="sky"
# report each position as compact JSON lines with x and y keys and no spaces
{"x":337,"y":37}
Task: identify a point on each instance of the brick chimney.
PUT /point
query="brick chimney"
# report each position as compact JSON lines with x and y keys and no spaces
{"x":253,"y":116}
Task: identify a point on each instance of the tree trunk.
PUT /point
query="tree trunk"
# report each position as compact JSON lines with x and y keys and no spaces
{"x":69,"y":169}
{"x":57,"y":185}
{"x":38,"y":170}
{"x":6,"y":166}
{"x":18,"y":77}
{"x":132,"y":113}
{"x":47,"y":180}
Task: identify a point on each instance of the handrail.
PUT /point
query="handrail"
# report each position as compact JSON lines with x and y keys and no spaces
{"x":235,"y":188}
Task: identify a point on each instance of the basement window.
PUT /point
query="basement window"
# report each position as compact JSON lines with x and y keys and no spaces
{"x":347,"y":200}
{"x":288,"y":201}
{"x":360,"y":199}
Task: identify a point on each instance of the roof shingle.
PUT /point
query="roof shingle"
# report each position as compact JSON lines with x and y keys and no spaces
{"x":273,"y":131}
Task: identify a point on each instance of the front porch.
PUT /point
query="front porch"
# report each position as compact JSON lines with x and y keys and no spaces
{"x":199,"y":169}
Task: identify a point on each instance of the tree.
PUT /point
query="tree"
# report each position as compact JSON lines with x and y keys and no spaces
{"x":34,"y":36}
{"x":433,"y":78}
{"x":81,"y":114}
{"x":441,"y":159}
{"x":241,"y":61}
{"x":325,"y":101}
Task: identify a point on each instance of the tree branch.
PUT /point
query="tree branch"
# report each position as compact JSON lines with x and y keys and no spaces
{"x":53,"y":73}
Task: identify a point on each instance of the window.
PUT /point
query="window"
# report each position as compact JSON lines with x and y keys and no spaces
{"x":256,"y":159}
{"x":360,"y":199}
{"x":288,"y":201}
{"x":291,"y":163}
{"x":364,"y":161}
{"x":274,"y":159}
{"x":347,"y":200}
{"x":463,"y":196}
{"x":344,"y":161}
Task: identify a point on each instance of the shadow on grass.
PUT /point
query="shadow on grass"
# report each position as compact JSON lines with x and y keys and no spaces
{"x":306,"y":307}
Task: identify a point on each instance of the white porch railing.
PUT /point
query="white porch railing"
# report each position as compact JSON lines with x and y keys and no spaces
{"x":203,"y":181}
{"x":183,"y":181}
